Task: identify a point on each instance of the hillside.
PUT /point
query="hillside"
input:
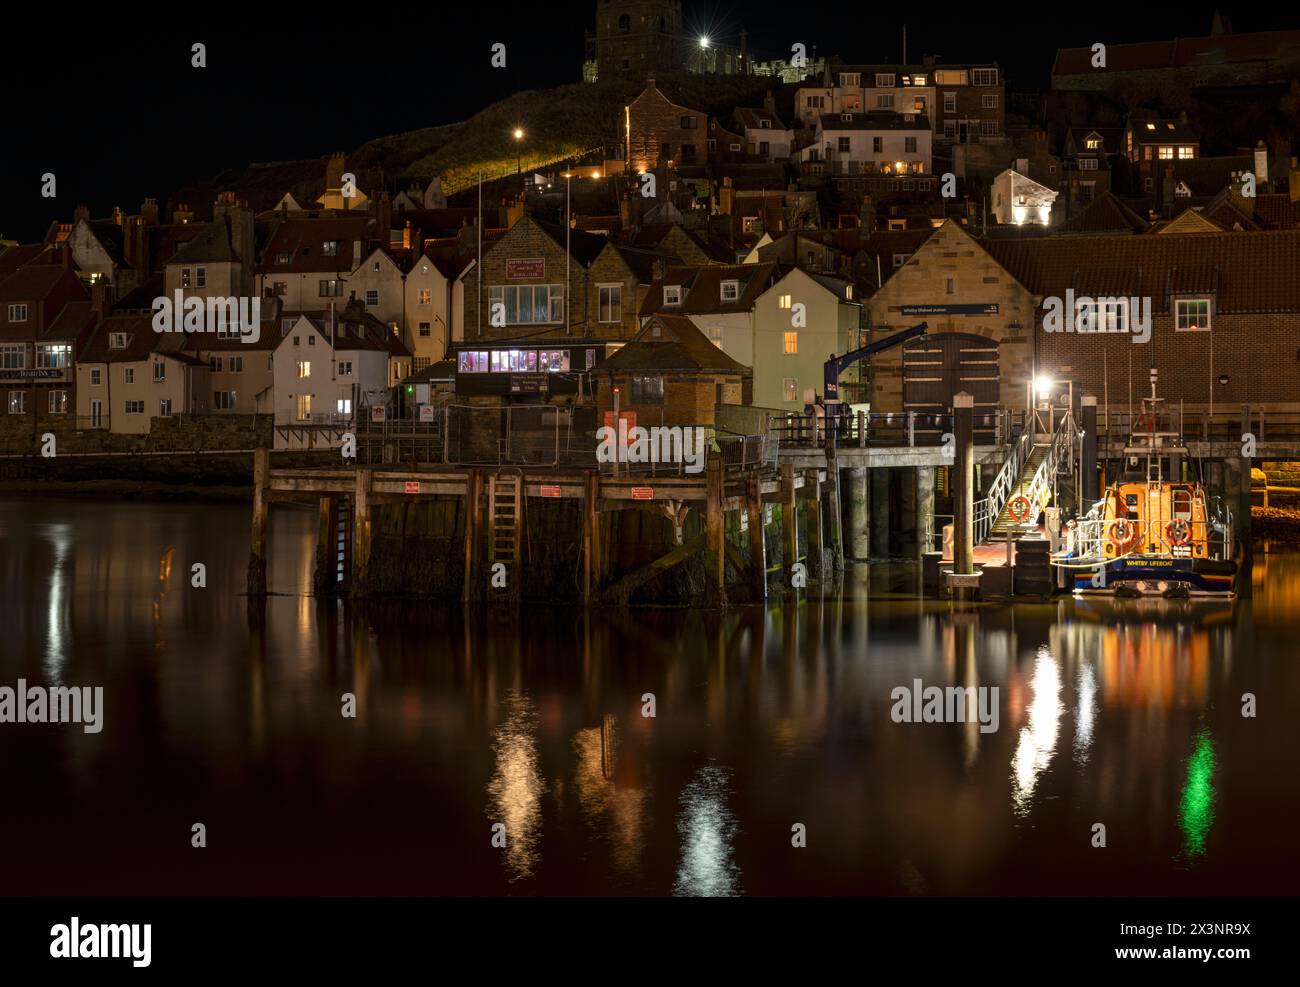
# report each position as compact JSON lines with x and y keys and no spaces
{"x":561,"y":124}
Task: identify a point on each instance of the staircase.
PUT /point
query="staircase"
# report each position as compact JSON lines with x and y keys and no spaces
{"x":505,"y":510}
{"x":999,"y":530}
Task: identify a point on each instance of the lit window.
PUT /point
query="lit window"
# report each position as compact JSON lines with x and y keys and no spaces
{"x":791,"y":343}
{"x":426,"y":296}
{"x":1193,"y":313}
{"x":1185,"y":152}
{"x":1166,"y":153}
{"x":790,"y":389}
{"x":784,"y":302}
{"x":302,"y":407}
{"x":304,"y":368}
{"x":672,"y":294}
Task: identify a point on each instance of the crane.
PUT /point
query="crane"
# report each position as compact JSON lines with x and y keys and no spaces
{"x":836,"y":364}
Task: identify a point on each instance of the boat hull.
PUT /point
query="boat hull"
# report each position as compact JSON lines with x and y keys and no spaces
{"x":1156,"y":576}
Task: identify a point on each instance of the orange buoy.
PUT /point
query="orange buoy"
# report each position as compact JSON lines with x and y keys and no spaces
{"x":1019,"y":508}
{"x":1178,"y":532}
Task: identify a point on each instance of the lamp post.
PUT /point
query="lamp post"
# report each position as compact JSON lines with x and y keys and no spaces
{"x":519,"y":149}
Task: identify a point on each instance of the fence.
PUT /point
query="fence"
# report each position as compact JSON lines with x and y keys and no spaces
{"x":902,"y":428}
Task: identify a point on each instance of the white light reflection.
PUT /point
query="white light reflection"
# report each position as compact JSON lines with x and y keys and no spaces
{"x":707,"y":829}
{"x":516,"y":787}
{"x":1038,"y":735}
{"x":56,"y":625}
{"x":1086,"y":714}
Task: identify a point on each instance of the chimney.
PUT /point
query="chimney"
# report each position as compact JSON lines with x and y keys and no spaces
{"x":1261,"y":165}
{"x":334,"y":172}
{"x":769,"y":103}
{"x":82,"y":212}
{"x":101,"y":298}
{"x":149,"y":211}
{"x":117,"y":215}
{"x":384,"y":216}
{"x":625,"y":212}
{"x":182,"y":213}
{"x":725,"y":197}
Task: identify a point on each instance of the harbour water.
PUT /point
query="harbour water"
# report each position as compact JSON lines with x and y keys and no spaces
{"x":1126,"y":715}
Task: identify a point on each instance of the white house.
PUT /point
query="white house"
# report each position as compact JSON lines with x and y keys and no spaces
{"x":870,"y":144}
{"x":1021,"y":201}
{"x":799,"y":322}
{"x":428,"y":305}
{"x":765,"y":134}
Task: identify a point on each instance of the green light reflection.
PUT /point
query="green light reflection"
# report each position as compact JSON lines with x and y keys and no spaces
{"x":1196,"y":810}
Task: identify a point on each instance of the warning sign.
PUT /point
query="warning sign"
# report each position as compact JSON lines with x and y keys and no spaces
{"x":550,"y":491}
{"x":412,"y":486}
{"x":643,"y":493}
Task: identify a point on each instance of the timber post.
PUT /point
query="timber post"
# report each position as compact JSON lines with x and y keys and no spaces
{"x":591,"y":562}
{"x":757,"y":543}
{"x":812,"y":488}
{"x":325,"y":576}
{"x":789,"y":524}
{"x":963,"y":550}
{"x":261,"y":510}
{"x":361,"y":531}
{"x":472,"y":589}
{"x":715,"y":555}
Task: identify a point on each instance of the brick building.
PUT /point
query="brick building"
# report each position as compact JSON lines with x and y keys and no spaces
{"x":659,"y":131}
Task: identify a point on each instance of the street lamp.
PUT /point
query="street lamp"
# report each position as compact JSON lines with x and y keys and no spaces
{"x":519,"y":139}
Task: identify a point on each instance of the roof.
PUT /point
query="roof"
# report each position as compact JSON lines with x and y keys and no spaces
{"x":211,"y":246}
{"x":1253,"y":272}
{"x":584,"y":247}
{"x":1275,"y":210}
{"x":670,"y":343}
{"x":874,"y":121}
{"x":755,"y":118}
{"x":702,"y":288}
{"x":1181,"y":52}
{"x":142,"y":342}
{"x":1105,"y":214}
{"x":1163,"y":131}
{"x":350,"y":333}
{"x":642,"y":262}
{"x":302,"y":240}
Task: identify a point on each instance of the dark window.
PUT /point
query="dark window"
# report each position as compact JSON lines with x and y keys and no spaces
{"x":647,"y":390}
{"x":624,"y":23}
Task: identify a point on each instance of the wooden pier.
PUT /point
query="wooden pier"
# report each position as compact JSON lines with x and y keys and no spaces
{"x":495,"y":503}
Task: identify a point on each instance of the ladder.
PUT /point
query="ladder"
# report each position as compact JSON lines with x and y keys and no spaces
{"x":342,"y":547}
{"x":505,"y":513}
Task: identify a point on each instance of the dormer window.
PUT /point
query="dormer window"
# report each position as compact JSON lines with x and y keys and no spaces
{"x":330,"y":248}
{"x":885,"y":79}
{"x":282,"y":257}
{"x":846,"y":117}
{"x":118,"y":340}
{"x":672,"y":294}
{"x":765,"y":125}
{"x":730,"y":291}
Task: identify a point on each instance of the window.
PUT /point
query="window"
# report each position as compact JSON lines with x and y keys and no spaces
{"x":950,"y":130}
{"x":611,"y":303}
{"x":330,"y":248}
{"x":983,"y":77}
{"x":134,"y":407}
{"x":529,"y":304}
{"x":1186,"y":152}
{"x":900,"y":259}
{"x":13,"y":356}
{"x":989,"y":101}
{"x":54,"y":356}
{"x":909,"y":145}
{"x":815,"y":102}
{"x":375,"y":268}
{"x":791,"y":343}
{"x":844,"y":144}
{"x":164,"y":407}
{"x":58,"y":402}
{"x":876,"y":145}
{"x":311,"y":339}
{"x":672,"y":294}
{"x":472,"y":362}
{"x":784,"y":302}
{"x":1087,"y":164}
{"x":200,"y":277}
{"x":17,"y":402}
{"x":223,"y":400}
{"x":715,"y":336}
{"x":159,"y":371}
{"x":372,"y":298}
{"x":236,"y":364}
{"x":764,"y":124}
{"x":345,"y":368}
{"x":343,"y":406}
{"x":988,"y":128}
{"x":1192,"y":313}
{"x":95,"y":376}
{"x":128,"y":375}
{"x":302,"y":407}
{"x":1146,"y":183}
{"x":333,"y":288}
{"x":426,"y":296}
{"x":214,"y":364}
{"x":885,"y":101}
{"x":185,"y":277}
{"x":282,"y":257}
{"x":884,"y":79}
{"x":730,"y":291}
{"x":850,"y":79}
{"x":1166,"y":153}
{"x":426,"y":329}
{"x":949,"y":102}
{"x":1093,"y":143}
{"x":647,"y":390}
{"x":688,"y":123}
{"x":624,"y":23}
{"x":304,"y":369}
{"x":790,"y":389}
{"x":952,"y":286}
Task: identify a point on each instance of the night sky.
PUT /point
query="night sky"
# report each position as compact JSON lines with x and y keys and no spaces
{"x":115,"y":110}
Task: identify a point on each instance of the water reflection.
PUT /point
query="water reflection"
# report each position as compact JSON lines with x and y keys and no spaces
{"x":707,"y":831}
{"x":615,"y":812}
{"x":1196,"y":808}
{"x":517,"y":787}
{"x":1038,"y":736}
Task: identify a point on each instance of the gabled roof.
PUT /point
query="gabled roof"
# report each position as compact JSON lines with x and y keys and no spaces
{"x":887,"y":120}
{"x":670,"y":343}
{"x":584,"y":247}
{"x":1273,"y":210}
{"x":1252,"y":272}
{"x":755,"y":118}
{"x":1105,"y":214}
{"x":211,"y":246}
{"x":303,"y":239}
{"x":702,"y":288}
{"x":142,"y":340}
{"x":351,"y":332}
{"x":642,"y":262}
{"x":1162,"y":131}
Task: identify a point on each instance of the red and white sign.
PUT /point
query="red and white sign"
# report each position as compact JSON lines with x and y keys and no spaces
{"x":549,"y":491}
{"x":426,"y":412}
{"x":643,"y":493}
{"x":628,"y":418}
{"x":525,"y":267}
{"x":377,"y":413}
{"x":412,"y":486}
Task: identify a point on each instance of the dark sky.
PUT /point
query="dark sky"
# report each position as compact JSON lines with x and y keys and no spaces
{"x":115,"y":110}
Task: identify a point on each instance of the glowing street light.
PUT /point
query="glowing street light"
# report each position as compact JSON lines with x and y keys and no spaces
{"x":704,"y":42}
{"x":1044,"y":387}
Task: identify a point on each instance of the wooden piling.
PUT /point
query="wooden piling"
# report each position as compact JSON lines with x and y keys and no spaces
{"x":963,"y":504}
{"x":757,"y":544}
{"x":591,"y":564}
{"x":473,"y":586}
{"x":324,"y":575}
{"x":789,"y":525}
{"x":261,"y":509}
{"x":812,"y":489}
{"x":830,"y":509}
{"x":361,"y":531}
{"x":715,"y":555}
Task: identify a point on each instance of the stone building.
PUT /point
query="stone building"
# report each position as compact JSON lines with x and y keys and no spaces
{"x":659,"y":131}
{"x":635,"y":38}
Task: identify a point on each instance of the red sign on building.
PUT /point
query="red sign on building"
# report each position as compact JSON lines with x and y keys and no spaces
{"x":643,"y":493}
{"x":548,"y":491}
{"x":526,"y":267}
{"x":412,"y":486}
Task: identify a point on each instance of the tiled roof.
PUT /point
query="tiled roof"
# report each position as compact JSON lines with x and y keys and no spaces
{"x":1276,"y":211}
{"x":211,"y":246}
{"x":303,"y":241}
{"x":754,"y":118}
{"x":702,"y":288}
{"x":642,"y":262}
{"x":72,"y":321}
{"x":1162,"y":131}
{"x":1105,"y":214}
{"x":670,"y":343}
{"x":873,"y":121}
{"x":141,"y":343}
{"x":1253,"y":272}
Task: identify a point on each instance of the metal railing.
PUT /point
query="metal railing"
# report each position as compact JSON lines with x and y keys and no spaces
{"x":898,"y":428}
{"x":1224,"y":424}
{"x":1133,"y":537}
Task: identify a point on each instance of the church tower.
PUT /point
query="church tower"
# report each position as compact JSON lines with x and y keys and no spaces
{"x":637,"y":38}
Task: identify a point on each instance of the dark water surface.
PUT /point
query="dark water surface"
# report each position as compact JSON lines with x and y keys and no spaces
{"x":1127,"y":715}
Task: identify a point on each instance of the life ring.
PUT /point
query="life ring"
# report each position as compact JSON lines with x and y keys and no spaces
{"x":1178,"y":532}
{"x":1019,"y":508}
{"x":1123,"y":535}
